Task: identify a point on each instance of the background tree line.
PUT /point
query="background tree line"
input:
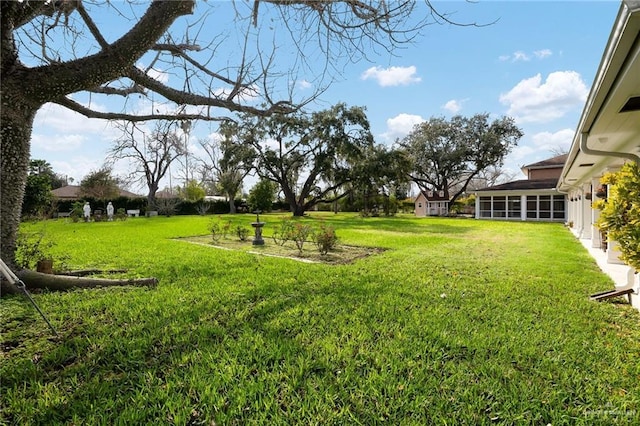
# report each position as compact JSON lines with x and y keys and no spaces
{"x":305,"y":159}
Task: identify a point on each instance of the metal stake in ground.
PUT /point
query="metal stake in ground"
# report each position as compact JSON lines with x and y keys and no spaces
{"x":13,"y":279}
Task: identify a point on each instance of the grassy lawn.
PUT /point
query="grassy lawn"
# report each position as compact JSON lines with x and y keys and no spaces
{"x":455,"y":322}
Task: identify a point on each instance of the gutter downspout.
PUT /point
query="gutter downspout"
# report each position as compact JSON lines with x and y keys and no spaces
{"x":584,"y":148}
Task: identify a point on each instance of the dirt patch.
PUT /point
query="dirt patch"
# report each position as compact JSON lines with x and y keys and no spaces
{"x":342,"y":254}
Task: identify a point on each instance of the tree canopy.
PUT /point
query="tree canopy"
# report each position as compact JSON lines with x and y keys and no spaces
{"x":448,"y":154}
{"x":100,"y":184}
{"x":309,"y":156}
{"x":40,"y":181}
{"x":262,"y":195}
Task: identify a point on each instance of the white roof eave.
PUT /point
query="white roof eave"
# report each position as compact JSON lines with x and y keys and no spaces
{"x":618,"y":46}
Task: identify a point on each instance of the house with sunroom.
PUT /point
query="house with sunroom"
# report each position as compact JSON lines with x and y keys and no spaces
{"x":535,"y":198}
{"x":431,"y":203}
{"x":607,"y":136}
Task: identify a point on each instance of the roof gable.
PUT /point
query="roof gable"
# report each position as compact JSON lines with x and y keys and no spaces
{"x":432,"y":196}
{"x":550,"y":163}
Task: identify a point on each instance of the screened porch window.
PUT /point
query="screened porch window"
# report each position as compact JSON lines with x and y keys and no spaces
{"x":514,"y":206}
{"x":485,"y":206}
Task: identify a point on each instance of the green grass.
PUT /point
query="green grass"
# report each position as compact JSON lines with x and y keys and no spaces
{"x":456,"y":322}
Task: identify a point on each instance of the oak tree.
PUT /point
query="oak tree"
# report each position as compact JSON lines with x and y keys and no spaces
{"x":447,"y":155}
{"x":309,"y":156}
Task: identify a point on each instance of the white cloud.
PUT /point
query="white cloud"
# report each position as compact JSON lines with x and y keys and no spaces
{"x":532,"y":100}
{"x":76,"y":167}
{"x":560,"y":140}
{"x":539,"y":146}
{"x":270,"y":143}
{"x":520,"y":56}
{"x":454,"y":105}
{"x":541,"y":54}
{"x":400,"y":126}
{"x":161,"y":76}
{"x":520,"y":155}
{"x":57,"y":143}
{"x":303,"y":84}
{"x":62,"y":119}
{"x":392,"y":76}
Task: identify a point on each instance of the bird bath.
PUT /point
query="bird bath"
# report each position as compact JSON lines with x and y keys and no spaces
{"x":257,"y":240}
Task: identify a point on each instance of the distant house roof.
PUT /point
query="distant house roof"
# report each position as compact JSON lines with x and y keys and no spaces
{"x":68,"y":192}
{"x":165,"y":193}
{"x":518,"y":185}
{"x":71,"y":192}
{"x":435,"y":196}
{"x":550,"y":163}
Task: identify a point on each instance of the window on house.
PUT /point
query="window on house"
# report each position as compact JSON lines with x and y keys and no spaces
{"x":544,"y":207}
{"x":559,"y":207}
{"x":514,"y":206}
{"x":499,"y":206}
{"x":485,"y":206}
{"x":532,"y":207}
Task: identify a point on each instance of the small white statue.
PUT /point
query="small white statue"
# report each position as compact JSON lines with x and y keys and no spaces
{"x":109,"y":211}
{"x":87,"y":211}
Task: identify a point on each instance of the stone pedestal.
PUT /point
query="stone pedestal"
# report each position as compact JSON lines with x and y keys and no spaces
{"x":257,"y":240}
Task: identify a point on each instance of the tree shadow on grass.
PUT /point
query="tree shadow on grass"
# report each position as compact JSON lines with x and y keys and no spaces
{"x":148,"y":372}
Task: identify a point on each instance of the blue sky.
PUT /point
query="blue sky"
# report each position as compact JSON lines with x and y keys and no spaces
{"x":536,"y":63}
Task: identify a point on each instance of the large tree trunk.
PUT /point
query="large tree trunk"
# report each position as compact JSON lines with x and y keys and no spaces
{"x":38,"y":280}
{"x":151,"y":202}
{"x":298,"y":210}
{"x":24,"y":90}
{"x":16,"y":121}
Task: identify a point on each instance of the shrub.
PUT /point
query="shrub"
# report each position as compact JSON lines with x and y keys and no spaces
{"x":283,"y":232}
{"x":219,"y":230}
{"x":33,"y":247}
{"x":167,"y":206}
{"x":300,"y":234}
{"x":620,"y":216}
{"x":30,"y":248}
{"x":76,"y":211}
{"x":203,"y":207}
{"x":325,"y":239}
{"x":121,"y":214}
{"x":214,"y":229}
{"x":242,"y":232}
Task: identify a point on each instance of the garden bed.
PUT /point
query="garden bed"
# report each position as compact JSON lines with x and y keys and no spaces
{"x":342,"y":254}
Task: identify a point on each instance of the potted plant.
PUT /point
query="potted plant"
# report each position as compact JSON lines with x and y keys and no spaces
{"x":601,"y":192}
{"x":620,"y":214}
{"x":33,"y":251}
